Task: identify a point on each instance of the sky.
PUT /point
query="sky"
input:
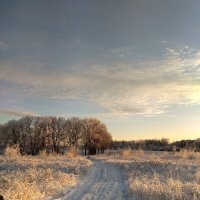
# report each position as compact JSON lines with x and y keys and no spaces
{"x":134,"y":64}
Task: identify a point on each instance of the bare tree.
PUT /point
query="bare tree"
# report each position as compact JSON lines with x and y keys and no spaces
{"x":95,"y":136}
{"x":73,"y":128}
{"x":57,"y":132}
{"x":34,"y":134}
{"x":25,"y":125}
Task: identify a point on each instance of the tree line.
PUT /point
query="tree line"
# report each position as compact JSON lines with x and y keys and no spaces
{"x":34,"y":134}
{"x":157,"y":144}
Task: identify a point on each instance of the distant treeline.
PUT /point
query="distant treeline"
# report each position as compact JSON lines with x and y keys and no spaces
{"x":157,"y":145}
{"x":34,"y":134}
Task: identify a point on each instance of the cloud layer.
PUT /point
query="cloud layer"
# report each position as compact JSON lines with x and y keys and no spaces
{"x":16,"y":113}
{"x":144,"y":88}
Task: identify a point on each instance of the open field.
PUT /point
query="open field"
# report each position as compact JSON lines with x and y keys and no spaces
{"x":126,"y":175}
{"x":159,"y":175}
{"x":39,"y":177}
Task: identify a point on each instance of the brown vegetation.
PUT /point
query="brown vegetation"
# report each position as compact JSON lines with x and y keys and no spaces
{"x":157,"y":145}
{"x":35,"y":134}
{"x":160,"y":175}
{"x":35,"y":177}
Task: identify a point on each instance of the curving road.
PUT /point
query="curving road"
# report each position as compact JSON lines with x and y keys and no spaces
{"x":103,"y":182}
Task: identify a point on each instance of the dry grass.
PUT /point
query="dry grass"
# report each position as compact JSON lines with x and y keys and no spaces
{"x":12,"y":152}
{"x":71,"y":153}
{"x":126,"y":154}
{"x":161,"y":175}
{"x":36,"y":183}
{"x":187,"y":154}
{"x":31,"y":178}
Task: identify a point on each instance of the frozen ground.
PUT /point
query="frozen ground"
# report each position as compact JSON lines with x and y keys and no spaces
{"x":159,"y":175}
{"x":141,"y":175}
{"x":103,"y":182}
{"x":122,"y":175}
{"x":39,"y":177}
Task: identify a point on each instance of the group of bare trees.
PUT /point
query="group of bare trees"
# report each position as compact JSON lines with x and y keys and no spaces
{"x":151,"y":144}
{"x":34,"y":134}
{"x":157,"y":144}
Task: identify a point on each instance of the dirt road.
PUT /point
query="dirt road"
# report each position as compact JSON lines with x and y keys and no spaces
{"x":103,"y":182}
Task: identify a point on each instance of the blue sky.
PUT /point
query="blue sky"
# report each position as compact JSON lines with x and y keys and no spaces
{"x":134,"y":64}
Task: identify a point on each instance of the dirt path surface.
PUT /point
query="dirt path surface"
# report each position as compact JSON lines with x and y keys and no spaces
{"x":103,"y":182}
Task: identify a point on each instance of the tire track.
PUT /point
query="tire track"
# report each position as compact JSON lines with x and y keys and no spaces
{"x":104,"y":182}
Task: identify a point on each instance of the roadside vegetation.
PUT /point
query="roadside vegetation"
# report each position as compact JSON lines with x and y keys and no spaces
{"x":38,"y":177}
{"x":159,"y":175}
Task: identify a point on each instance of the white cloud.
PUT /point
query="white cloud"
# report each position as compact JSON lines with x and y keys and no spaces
{"x":16,"y":113}
{"x":145,"y":88}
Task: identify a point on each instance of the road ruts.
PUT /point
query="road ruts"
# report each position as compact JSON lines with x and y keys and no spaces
{"x":104,"y":182}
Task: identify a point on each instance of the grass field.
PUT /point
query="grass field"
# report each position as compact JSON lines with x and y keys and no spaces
{"x":38,"y":177}
{"x":160,"y":175}
{"x":147,"y":175}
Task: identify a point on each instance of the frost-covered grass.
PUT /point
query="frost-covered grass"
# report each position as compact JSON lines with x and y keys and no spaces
{"x":160,"y":175}
{"x":37,"y":177}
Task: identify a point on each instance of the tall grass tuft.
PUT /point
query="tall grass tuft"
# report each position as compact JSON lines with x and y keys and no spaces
{"x":12,"y":152}
{"x":71,"y":153}
{"x":187,"y":154}
{"x":126,"y":154}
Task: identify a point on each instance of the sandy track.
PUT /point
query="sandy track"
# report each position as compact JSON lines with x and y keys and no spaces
{"x":103,"y":182}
